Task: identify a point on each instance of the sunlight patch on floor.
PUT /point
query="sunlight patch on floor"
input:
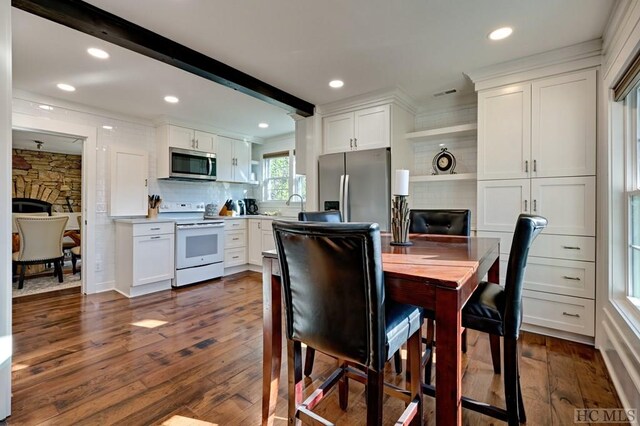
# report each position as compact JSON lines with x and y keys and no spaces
{"x":186,"y":421}
{"x":149,"y":323}
{"x":18,"y":367}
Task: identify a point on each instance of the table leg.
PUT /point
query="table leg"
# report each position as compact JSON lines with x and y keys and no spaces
{"x":494,"y":272}
{"x":449,"y":358}
{"x":271,"y":339}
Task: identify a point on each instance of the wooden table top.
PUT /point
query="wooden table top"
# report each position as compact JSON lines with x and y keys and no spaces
{"x":443,"y":260}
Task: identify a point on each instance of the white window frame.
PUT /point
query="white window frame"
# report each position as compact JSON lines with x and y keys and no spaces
{"x":293,"y":181}
{"x":632,"y":183}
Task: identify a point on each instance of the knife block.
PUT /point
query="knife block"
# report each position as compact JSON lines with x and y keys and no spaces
{"x":152,"y":213}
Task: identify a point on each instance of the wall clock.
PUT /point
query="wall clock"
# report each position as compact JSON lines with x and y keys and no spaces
{"x":444,"y":162}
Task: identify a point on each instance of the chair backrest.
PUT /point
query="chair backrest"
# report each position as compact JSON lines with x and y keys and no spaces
{"x":41,"y":237}
{"x":30,"y":205}
{"x":333,"y":216}
{"x":446,"y":222}
{"x":14,"y":224}
{"x":527,"y":229}
{"x":333,"y":288}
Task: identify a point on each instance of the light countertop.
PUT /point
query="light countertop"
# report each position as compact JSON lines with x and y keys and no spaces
{"x":145,"y":220}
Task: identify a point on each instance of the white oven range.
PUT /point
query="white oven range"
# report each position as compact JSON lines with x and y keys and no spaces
{"x":199,"y":250}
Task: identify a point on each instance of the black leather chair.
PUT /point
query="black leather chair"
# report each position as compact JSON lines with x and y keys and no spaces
{"x":332,"y":216}
{"x":498,"y":311}
{"x":444,"y":222}
{"x":334,"y":301}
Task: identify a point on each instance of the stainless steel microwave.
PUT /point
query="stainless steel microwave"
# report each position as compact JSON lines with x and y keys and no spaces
{"x":188,"y":164}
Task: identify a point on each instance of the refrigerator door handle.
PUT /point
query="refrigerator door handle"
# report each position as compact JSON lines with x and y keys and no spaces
{"x":347,"y":209}
{"x":341,"y":200}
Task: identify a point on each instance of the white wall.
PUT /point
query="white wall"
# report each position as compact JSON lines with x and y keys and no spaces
{"x":618,"y":325}
{"x":126,"y":131}
{"x":5,"y":218}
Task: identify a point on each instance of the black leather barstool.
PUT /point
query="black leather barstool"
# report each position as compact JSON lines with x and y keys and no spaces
{"x":331,"y":216}
{"x":497,"y":310}
{"x":334,"y":301}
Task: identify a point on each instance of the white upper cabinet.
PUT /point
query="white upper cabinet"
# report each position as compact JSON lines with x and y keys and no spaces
{"x":367,"y":128}
{"x":233,"y":160}
{"x":181,"y":137}
{"x":563,"y":120}
{"x":128,"y":174}
{"x":504,"y":132}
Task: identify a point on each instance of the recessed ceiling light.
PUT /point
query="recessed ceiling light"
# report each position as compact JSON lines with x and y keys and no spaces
{"x":46,"y":107}
{"x":97,"y":53}
{"x":66,"y":87}
{"x":500,"y":33}
{"x":171,"y":99}
{"x":107,"y":127}
{"x":336,"y":84}
{"x":263,"y":125}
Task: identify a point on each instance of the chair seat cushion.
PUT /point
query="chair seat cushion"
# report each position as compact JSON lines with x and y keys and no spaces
{"x":401,"y":322}
{"x":483,"y":312}
{"x":76,"y":251}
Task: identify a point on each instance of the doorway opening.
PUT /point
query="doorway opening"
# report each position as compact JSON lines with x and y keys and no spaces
{"x":47,"y":203}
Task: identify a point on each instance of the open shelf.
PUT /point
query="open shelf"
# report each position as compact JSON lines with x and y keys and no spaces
{"x":441,"y":178}
{"x":459,"y":130}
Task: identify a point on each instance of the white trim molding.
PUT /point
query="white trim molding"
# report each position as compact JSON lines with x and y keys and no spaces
{"x":557,"y":61}
{"x":379,"y":97}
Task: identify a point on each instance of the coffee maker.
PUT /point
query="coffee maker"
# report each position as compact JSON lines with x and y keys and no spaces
{"x":251,"y":206}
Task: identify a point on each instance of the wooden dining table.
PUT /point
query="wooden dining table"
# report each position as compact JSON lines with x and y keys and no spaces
{"x":436,"y":272}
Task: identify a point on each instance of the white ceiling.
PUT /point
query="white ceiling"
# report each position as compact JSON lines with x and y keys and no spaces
{"x":422,"y":46}
{"x":22,"y":139}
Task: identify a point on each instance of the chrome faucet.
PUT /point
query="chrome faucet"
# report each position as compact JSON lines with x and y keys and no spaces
{"x":301,"y":201}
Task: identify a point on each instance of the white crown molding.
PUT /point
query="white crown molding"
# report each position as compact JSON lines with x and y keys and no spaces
{"x":162,"y":120}
{"x":371,"y":99}
{"x":565,"y":59}
{"x":27,"y":96}
{"x":616,"y":20}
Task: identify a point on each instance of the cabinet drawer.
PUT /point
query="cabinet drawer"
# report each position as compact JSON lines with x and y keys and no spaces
{"x":235,"y":257}
{"x":234,"y":224}
{"x":140,"y":229}
{"x":564,"y":313}
{"x":235,"y":239}
{"x":564,"y":247}
{"x":568,"y":277}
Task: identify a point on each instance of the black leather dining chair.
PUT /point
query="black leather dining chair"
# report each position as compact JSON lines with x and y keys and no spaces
{"x":497,"y":310}
{"x":334,"y":301}
{"x":332,"y":216}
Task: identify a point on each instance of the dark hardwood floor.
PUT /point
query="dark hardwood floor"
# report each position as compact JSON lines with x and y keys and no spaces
{"x":193,"y":356}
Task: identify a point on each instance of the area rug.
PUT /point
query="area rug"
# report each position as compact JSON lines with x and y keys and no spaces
{"x":46,"y":284}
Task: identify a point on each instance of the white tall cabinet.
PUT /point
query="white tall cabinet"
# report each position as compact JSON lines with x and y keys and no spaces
{"x":536,"y":155}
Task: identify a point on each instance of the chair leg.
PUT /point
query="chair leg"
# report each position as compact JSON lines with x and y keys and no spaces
{"x":294,"y":371}
{"x":464,"y":341}
{"x":21,"y":279}
{"x":494,"y":341}
{"x":522,"y":416}
{"x":343,"y":388}
{"x":511,"y":381}
{"x":14,"y":271}
{"x":430,"y":344}
{"x":414,"y":364}
{"x":375,"y":392}
{"x":74,"y":259}
{"x":397,"y":360}
{"x":58,"y":264}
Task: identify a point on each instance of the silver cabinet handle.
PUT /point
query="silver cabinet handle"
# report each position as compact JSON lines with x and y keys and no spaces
{"x":235,"y":257}
{"x":535,"y":205}
{"x":535,"y":166}
{"x":236,"y":239}
{"x":570,"y":248}
{"x":259,"y":225}
{"x":526,"y":166}
{"x":526,"y":205}
{"x":193,"y":143}
{"x":355,"y":142}
{"x":571,"y":278}
{"x":566,"y":314}
{"x":155,"y":229}
{"x":155,"y":238}
{"x":351,"y":143}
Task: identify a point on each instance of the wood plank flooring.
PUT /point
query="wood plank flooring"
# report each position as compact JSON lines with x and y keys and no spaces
{"x":193,"y":357}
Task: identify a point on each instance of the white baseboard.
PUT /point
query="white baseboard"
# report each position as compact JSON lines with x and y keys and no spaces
{"x":558,"y":333}
{"x":105,"y":286}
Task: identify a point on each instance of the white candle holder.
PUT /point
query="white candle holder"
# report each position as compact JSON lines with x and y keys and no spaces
{"x":400,"y":221}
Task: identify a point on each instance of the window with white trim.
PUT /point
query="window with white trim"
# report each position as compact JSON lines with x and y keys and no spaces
{"x":633,"y":191}
{"x":279,"y":180}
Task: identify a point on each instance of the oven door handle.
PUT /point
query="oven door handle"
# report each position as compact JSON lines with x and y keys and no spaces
{"x":183,"y":228}
{"x":209,"y":166}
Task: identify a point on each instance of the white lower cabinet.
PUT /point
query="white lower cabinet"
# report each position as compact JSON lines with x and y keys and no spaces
{"x":145,"y":260}
{"x":260,"y":239}
{"x":500,"y":202}
{"x":571,"y":314}
{"x":235,"y":242}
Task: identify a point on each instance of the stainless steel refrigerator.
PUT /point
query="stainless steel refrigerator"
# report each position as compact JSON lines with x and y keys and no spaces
{"x":357,"y":183}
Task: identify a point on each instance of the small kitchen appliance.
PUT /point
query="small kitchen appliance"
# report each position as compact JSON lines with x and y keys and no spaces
{"x":251,"y":206}
{"x":241,"y":208}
